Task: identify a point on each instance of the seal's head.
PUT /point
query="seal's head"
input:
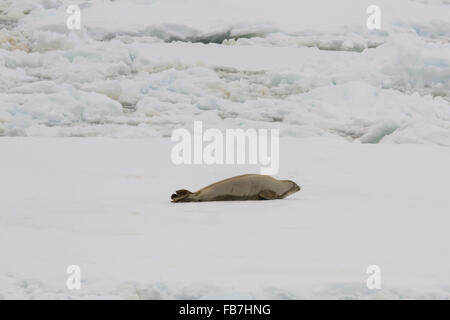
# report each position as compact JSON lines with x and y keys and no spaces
{"x":291,"y":188}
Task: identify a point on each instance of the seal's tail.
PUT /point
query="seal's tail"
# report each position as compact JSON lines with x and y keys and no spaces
{"x":181,"y":196}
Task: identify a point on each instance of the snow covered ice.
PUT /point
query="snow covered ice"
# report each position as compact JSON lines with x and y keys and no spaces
{"x":311,"y":71}
{"x":364,"y":120}
{"x":103,"y":204}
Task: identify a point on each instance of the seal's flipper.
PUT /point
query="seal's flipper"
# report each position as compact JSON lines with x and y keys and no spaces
{"x":182,"y":192}
{"x":267,"y":195}
{"x":181,"y":196}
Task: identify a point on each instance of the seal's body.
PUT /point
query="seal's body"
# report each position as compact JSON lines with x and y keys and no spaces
{"x":245,"y":187}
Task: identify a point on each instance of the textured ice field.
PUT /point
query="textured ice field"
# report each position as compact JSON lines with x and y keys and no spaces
{"x":104,"y":204}
{"x":143,"y":68}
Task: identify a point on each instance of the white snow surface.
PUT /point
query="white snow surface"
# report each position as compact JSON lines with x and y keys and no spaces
{"x":103,"y":204}
{"x":142,"y":68}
